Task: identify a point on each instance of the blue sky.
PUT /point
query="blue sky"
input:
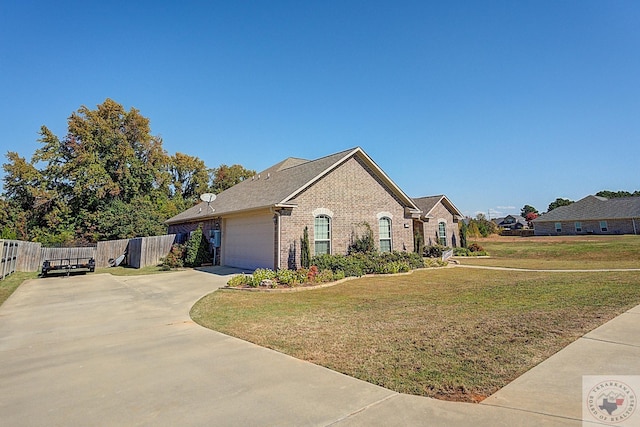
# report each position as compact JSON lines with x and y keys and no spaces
{"x":497,"y":104}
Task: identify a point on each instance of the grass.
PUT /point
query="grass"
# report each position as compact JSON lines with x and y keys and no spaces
{"x":453,"y":334}
{"x":570,"y":252}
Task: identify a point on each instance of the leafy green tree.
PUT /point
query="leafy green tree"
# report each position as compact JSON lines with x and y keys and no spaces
{"x":481,"y":227}
{"x":527,"y":209}
{"x":473,"y":231}
{"x":559,"y":202}
{"x":189,"y":176}
{"x":107,"y":178}
{"x":615,"y":194}
{"x":227,"y":176}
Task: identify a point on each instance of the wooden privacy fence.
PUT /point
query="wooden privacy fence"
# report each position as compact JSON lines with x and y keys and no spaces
{"x":140,"y":252}
{"x":68,"y":253}
{"x":144,"y":251}
{"x":8,"y":257}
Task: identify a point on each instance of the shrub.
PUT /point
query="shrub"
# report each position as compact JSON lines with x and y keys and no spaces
{"x":240,"y":280}
{"x":262,"y":274}
{"x":196,"y":249}
{"x":287,"y":277}
{"x":461,"y":251}
{"x":358,"y":264}
{"x":435,"y":251}
{"x":173,"y":258}
{"x":474,"y":247}
{"x":362,"y":243}
{"x":325,"y":276}
{"x":313,"y":272}
{"x":434,"y":262}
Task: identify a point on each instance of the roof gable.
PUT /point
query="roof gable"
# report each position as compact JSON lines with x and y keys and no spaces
{"x":279,"y":184}
{"x":428,"y":204}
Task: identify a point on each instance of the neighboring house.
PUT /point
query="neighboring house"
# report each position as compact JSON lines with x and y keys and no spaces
{"x":592,"y":215}
{"x":259,"y":222}
{"x":438,"y":222}
{"x":511,"y":222}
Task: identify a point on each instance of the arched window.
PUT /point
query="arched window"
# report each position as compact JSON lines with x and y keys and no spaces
{"x":322,"y":235}
{"x":442,"y":233}
{"x":384,"y":226}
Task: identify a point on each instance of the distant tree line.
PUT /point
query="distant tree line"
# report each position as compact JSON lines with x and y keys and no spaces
{"x":107,"y":178}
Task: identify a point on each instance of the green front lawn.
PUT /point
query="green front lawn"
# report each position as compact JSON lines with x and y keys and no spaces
{"x":453,"y":333}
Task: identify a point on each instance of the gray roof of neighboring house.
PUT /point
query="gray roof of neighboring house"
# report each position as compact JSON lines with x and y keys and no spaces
{"x":518,"y":218}
{"x":595,"y":208}
{"x":426,"y":205}
{"x":279,"y":185}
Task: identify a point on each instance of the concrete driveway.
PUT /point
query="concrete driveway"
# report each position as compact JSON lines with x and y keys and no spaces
{"x":105,"y":350}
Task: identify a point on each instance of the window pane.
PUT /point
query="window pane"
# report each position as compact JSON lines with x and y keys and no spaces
{"x":322,"y":247}
{"x":322,"y":235}
{"x":385,"y":245}
{"x":442,"y":233}
{"x":385,"y":228}
{"x":322,"y":228}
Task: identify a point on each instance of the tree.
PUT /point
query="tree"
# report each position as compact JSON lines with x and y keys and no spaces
{"x":531,"y":216}
{"x":108,"y":178}
{"x":305,"y":250}
{"x":481,"y":227}
{"x":557,"y":203}
{"x":189,"y":176}
{"x":107,"y":154}
{"x":463,"y":229}
{"x":527,"y":209}
{"x":227,"y":176}
{"x":615,"y":194}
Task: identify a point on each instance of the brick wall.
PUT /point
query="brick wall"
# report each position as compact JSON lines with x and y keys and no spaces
{"x":617,"y":226}
{"x":430,"y":227}
{"x":353,"y":194}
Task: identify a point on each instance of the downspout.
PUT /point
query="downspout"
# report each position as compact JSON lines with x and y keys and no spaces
{"x":635,"y":230}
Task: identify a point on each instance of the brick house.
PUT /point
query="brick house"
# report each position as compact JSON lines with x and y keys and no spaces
{"x":591,"y":215}
{"x":259,"y":222}
{"x":438,"y":222}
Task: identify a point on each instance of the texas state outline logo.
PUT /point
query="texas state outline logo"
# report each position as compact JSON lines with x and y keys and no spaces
{"x":611,"y":399}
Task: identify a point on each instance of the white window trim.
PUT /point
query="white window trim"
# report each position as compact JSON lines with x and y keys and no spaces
{"x":442,"y":221}
{"x":390,"y":238}
{"x":381,"y":215}
{"x":316,"y":240}
{"x":322,"y":211}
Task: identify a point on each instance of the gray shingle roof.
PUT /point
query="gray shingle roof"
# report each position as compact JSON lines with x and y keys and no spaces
{"x":277,"y":185}
{"x":595,"y":208}
{"x":426,"y":204}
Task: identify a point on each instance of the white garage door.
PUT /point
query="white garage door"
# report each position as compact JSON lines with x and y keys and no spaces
{"x":248,"y":242}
